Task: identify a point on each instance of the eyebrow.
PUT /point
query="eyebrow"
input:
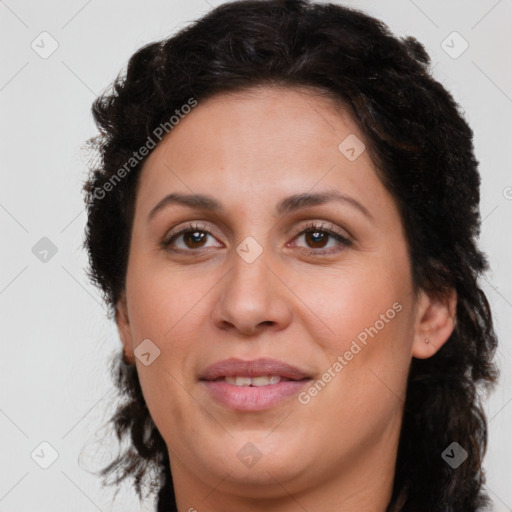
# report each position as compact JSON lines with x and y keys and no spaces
{"x":286,"y":205}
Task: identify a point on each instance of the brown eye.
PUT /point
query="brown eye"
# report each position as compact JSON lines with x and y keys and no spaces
{"x":194,"y":239}
{"x":317,"y":236}
{"x":192,"y":236}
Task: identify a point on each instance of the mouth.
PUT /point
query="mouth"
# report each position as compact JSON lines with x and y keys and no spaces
{"x":262,"y":380}
{"x":253,"y":385}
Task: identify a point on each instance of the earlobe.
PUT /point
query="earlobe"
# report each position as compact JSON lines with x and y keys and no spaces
{"x":435,"y":322}
{"x":123,"y":327}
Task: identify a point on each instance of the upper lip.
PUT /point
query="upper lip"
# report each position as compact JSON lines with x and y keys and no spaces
{"x":253,"y":368}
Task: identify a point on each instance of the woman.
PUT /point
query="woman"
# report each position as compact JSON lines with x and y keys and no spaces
{"x":284,"y":226}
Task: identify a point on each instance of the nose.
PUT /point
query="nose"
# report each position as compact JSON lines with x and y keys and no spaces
{"x":253,"y":297}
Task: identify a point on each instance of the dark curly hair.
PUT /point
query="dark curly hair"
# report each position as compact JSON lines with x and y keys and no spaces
{"x":422,"y":147}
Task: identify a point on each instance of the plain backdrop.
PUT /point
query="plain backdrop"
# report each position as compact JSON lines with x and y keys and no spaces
{"x":56,"y":340}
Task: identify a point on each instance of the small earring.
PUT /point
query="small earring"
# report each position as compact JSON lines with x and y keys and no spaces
{"x":427,"y":340}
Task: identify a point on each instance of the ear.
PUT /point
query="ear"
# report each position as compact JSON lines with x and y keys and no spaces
{"x":435,"y":321}
{"x":123,"y":327}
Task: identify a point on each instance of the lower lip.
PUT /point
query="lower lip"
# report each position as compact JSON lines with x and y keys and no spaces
{"x":253,"y":398}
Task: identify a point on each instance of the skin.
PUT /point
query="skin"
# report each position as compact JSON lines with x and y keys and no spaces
{"x":249,"y":150}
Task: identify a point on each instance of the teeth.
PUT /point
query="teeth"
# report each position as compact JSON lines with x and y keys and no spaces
{"x":242,"y":381}
{"x":264,"y":380}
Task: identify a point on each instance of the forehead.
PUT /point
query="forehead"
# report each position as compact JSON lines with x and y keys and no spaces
{"x":265,"y":141}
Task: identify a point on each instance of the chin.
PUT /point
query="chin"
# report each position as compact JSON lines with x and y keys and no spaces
{"x":258,"y":461}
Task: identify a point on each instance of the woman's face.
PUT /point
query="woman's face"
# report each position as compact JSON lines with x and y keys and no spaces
{"x":316,"y":294}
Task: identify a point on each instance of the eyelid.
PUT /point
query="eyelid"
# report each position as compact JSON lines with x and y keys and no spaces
{"x":323,"y":225}
{"x":197,"y":225}
{"x":327,"y":227}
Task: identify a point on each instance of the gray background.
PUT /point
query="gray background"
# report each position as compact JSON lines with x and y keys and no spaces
{"x":56,"y":340}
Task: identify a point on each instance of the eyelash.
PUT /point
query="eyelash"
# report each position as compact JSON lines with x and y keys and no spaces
{"x":311,"y":227}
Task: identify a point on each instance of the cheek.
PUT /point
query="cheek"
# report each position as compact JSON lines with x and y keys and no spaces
{"x":368,"y":313}
{"x":172,"y":307}
{"x":165,"y":302}
{"x":354,"y":302}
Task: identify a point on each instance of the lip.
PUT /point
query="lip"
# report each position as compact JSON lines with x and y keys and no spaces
{"x":253,"y":368}
{"x":250,"y":398}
